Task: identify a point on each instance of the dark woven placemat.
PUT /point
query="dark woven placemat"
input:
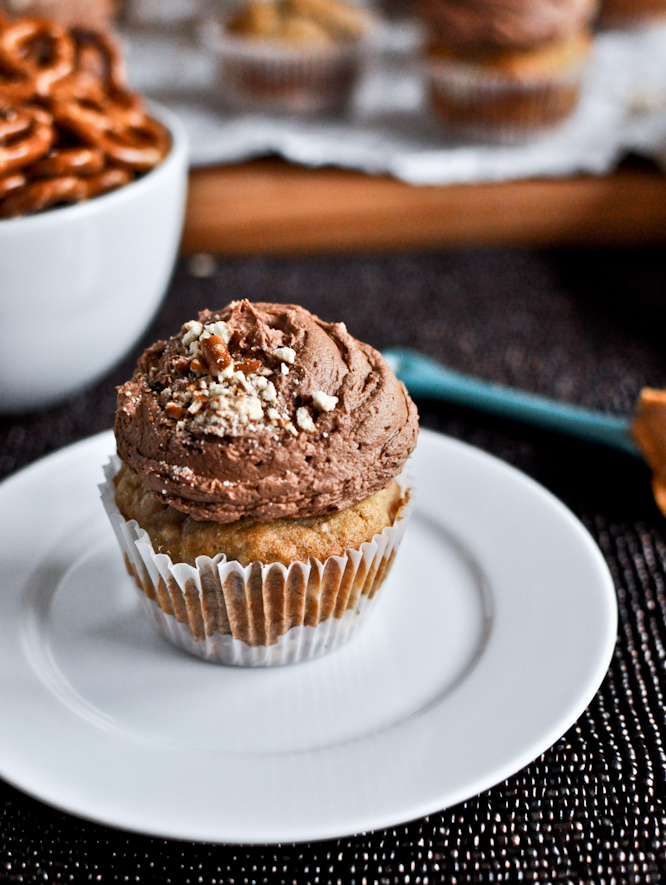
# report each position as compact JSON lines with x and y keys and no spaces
{"x":585,"y":327}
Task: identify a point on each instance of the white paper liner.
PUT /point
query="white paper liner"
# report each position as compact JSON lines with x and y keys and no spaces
{"x":496,"y":108}
{"x":257,"y":615}
{"x":257,"y":75}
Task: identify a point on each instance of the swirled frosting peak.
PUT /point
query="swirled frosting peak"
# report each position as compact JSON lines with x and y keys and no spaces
{"x":264,"y":411}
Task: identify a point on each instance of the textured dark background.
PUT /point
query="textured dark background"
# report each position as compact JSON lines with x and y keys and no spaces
{"x":583,"y":326}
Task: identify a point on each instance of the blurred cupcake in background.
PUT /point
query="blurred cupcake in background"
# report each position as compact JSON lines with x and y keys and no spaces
{"x":507,"y":95}
{"x":289,"y":56}
{"x":506,"y":71}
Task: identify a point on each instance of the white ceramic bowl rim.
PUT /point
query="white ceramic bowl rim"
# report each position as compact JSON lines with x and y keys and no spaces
{"x":179,"y":147}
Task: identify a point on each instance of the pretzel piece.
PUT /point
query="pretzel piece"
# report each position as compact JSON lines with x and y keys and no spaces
{"x":70,"y":161}
{"x":127,"y":136}
{"x":97,"y":54}
{"x":11,"y":182}
{"x":29,"y":144}
{"x":36,"y":52}
{"x":13,"y":122}
{"x":140,"y":146}
{"x":108,"y":180}
{"x":44,"y":194}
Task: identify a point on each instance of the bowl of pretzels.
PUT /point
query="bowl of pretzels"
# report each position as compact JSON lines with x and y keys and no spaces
{"x":92,"y":194}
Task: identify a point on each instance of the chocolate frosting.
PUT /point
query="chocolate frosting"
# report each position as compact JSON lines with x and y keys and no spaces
{"x":518,"y":24}
{"x":305,"y":421}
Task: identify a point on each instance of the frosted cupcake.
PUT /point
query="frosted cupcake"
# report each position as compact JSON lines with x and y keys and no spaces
{"x":289,"y":56}
{"x":258,"y":498}
{"x":506,"y":71}
{"x":507,"y":95}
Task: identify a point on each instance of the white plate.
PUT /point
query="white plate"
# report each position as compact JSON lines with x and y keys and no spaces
{"x":488,"y":641}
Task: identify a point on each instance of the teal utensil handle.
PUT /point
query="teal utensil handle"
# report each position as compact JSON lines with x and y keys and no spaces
{"x":424,"y":377}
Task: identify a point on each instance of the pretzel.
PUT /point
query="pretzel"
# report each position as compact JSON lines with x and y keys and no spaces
{"x":70,"y":129}
{"x":13,"y":122}
{"x":97,"y":54}
{"x":38,"y":53}
{"x":70,"y":161}
{"x":108,"y":180}
{"x":44,"y":194}
{"x":127,"y":136}
{"x":30,"y":144}
{"x":11,"y":182}
{"x":16,"y":89}
{"x":141,"y":146}
{"x":98,"y":75}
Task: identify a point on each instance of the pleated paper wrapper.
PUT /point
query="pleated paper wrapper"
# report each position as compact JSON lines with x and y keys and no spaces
{"x":258,"y":615}
{"x":493,"y":108}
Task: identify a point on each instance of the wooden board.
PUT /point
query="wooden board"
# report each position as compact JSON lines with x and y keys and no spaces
{"x":269,"y":206}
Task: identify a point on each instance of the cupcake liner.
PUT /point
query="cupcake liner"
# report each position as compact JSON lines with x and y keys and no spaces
{"x":257,"y":75}
{"x":485,"y":105}
{"x":258,"y":615}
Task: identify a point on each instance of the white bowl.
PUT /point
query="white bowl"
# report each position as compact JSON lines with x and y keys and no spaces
{"x":80,"y":284}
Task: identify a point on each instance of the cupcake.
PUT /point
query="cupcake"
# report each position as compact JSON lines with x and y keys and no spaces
{"x":259,"y":495}
{"x":507,"y":95}
{"x":289,"y":56}
{"x":506,"y":70}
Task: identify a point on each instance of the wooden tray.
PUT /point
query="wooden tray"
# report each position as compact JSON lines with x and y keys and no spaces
{"x":269,"y":206}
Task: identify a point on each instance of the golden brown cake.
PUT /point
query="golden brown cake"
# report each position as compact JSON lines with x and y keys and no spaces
{"x":257,"y":493}
{"x":184,"y":539}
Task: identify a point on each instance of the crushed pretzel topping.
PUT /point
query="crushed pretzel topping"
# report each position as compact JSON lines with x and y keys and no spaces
{"x":220,"y":330}
{"x":173,"y":410}
{"x":286,"y":354}
{"x":269,"y":394}
{"x":212,"y":392}
{"x":323,"y":401}
{"x":192,"y":332}
{"x":304,"y":420}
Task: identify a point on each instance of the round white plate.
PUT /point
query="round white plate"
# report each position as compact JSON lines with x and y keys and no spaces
{"x":489,"y":639}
